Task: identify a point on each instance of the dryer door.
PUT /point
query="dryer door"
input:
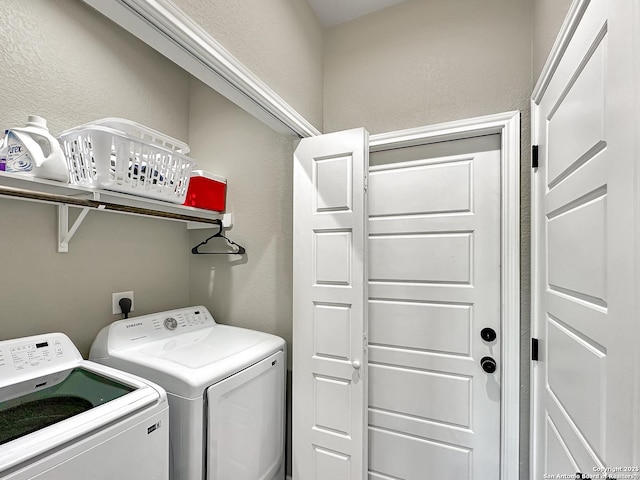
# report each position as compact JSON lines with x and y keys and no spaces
{"x":245,"y":435}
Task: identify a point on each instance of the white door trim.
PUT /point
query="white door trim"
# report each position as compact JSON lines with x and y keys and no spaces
{"x":568,"y":28}
{"x":570,"y":25}
{"x":508,"y":126}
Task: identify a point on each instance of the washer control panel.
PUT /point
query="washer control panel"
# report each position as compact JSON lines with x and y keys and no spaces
{"x":31,"y":353}
{"x":157,"y":326}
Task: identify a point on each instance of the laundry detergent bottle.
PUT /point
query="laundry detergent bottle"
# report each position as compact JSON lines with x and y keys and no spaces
{"x":3,"y":154}
{"x":33,"y":151}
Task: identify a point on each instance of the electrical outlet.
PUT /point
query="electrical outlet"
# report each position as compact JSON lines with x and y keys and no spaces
{"x":115,"y":298}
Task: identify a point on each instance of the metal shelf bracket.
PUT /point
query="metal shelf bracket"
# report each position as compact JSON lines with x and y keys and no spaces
{"x":227,"y":222}
{"x":64,"y":232}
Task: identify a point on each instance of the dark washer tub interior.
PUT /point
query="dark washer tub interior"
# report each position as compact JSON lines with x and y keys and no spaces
{"x":74,"y":392}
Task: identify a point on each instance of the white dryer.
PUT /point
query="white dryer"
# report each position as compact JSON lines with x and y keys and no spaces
{"x":226,"y":390}
{"x":62,"y":417}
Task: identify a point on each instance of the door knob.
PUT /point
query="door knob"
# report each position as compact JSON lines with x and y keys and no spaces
{"x":356,"y":364}
{"x":488,"y":334}
{"x":488,"y":364}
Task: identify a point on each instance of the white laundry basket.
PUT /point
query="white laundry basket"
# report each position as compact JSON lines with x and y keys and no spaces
{"x":124,"y":156}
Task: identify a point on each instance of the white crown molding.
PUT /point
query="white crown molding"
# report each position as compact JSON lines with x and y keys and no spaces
{"x":442,"y":132}
{"x":167,"y":29}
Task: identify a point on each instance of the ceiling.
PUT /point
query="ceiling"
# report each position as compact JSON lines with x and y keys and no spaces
{"x":333,"y":12}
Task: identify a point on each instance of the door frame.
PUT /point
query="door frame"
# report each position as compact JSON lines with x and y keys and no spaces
{"x":568,"y":28}
{"x":571,"y":22}
{"x":507,"y":125}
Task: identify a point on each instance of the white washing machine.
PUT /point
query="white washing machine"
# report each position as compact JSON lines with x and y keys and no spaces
{"x":62,"y":417}
{"x":226,"y":390}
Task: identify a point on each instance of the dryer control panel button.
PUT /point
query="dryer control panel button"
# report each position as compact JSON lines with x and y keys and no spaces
{"x":170,"y":323}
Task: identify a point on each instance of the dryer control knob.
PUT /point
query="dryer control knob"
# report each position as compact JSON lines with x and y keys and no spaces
{"x":170,"y":323}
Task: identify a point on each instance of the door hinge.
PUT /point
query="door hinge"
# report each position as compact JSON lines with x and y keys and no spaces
{"x":534,"y":349}
{"x":534,"y":156}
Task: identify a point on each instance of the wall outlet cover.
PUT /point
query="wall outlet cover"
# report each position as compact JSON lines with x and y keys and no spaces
{"x":115,"y":299}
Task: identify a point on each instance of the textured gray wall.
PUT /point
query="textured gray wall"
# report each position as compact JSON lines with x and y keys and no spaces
{"x":420,"y":63}
{"x":424,"y":62}
{"x":62,"y":61}
{"x":278,"y":40}
{"x":67,"y":63}
{"x":253,"y":291}
{"x":548,"y":16}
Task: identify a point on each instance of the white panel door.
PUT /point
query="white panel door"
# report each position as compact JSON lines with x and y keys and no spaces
{"x":583,"y":217}
{"x":434,"y":270}
{"x":329,"y":307}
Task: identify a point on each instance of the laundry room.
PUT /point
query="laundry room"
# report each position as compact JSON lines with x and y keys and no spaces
{"x":244,"y":84}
